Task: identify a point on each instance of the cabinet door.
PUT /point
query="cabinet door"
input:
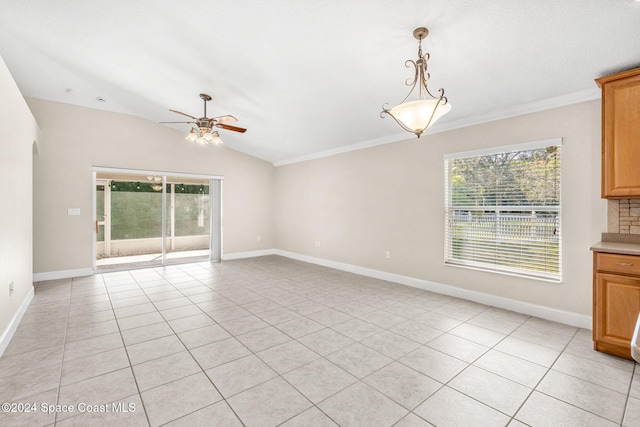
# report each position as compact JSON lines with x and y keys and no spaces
{"x":617,"y":305}
{"x":621,"y":137}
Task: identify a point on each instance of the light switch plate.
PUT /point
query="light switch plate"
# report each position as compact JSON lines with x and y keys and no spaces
{"x":73,"y":211}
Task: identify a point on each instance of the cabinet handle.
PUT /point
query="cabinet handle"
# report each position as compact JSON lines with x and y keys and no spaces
{"x":625,"y":264}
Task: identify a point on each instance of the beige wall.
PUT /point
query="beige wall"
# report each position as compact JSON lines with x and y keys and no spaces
{"x":390,"y":198}
{"x":358,"y":205}
{"x":18,"y":132}
{"x":75,"y":138}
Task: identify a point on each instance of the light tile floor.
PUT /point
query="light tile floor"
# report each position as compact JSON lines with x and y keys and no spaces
{"x":271,"y":341}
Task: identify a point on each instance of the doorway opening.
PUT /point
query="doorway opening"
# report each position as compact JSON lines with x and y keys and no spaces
{"x":149,"y":218}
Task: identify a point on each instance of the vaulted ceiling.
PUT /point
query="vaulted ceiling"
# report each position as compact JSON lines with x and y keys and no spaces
{"x":311,"y":77}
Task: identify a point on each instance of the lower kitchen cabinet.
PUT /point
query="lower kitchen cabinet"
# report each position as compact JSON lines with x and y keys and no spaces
{"x":616,"y":302}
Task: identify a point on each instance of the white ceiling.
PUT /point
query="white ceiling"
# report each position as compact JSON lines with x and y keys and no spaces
{"x":309,"y":78}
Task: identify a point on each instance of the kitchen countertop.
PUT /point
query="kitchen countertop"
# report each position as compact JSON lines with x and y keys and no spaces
{"x":617,"y":248}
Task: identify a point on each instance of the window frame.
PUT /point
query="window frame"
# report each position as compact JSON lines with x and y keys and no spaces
{"x":448,"y":207}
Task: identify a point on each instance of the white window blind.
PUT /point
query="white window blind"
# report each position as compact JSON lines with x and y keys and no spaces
{"x":503,"y":209}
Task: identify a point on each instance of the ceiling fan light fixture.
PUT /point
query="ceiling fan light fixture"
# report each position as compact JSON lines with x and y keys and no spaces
{"x":204,"y":136}
{"x":155,"y":181}
{"x":417,"y":116}
{"x":192,"y":136}
{"x":216,"y":138}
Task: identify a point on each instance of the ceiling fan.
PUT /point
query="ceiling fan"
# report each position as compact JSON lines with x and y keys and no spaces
{"x":204,"y":135}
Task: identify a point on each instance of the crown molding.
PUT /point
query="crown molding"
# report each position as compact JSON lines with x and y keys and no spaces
{"x":504,"y":113}
{"x":520,"y":110}
{"x":345,"y":149}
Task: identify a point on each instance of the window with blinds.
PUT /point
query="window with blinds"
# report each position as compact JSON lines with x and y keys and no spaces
{"x":503,"y":209}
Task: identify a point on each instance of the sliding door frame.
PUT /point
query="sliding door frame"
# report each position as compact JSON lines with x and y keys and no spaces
{"x":215,"y":197}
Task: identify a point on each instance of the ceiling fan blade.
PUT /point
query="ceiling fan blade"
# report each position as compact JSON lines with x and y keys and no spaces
{"x":226,"y":119}
{"x":179,"y":112}
{"x":229,"y":127}
{"x":178,"y":122}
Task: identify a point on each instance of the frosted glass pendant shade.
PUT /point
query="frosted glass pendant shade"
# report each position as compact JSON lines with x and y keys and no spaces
{"x":192,"y":136}
{"x":216,"y":138}
{"x":418,"y":116}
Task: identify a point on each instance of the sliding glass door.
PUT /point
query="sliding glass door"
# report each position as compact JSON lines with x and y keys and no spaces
{"x":188,"y":218}
{"x":150,"y":219}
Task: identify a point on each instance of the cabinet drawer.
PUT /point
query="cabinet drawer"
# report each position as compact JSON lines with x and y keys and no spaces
{"x":626,"y":264}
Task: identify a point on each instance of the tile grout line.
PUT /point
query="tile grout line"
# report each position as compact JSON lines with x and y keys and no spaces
{"x":472,"y":364}
{"x":568,"y":403}
{"x":375,"y":293}
{"x":533,"y":389}
{"x":626,"y":402}
{"x":202,"y":370}
{"x":361,"y":380}
{"x":187,"y":349}
{"x":358,"y":380}
{"x":281,"y":375}
{"x":127,"y":351}
{"x":64,"y":345}
{"x":512,"y":417}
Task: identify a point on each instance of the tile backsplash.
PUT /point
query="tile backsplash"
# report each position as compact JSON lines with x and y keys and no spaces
{"x":623,"y":216}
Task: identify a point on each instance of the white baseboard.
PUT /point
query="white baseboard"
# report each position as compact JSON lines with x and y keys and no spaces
{"x":62,"y":274}
{"x":68,"y":274}
{"x":249,"y":254}
{"x":544,"y":312}
{"x":5,"y":339}
{"x":548,"y":313}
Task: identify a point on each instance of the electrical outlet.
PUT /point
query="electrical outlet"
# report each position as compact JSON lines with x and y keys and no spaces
{"x":317,"y":243}
{"x":258,"y":238}
{"x":387,"y":254}
{"x":10,"y":288}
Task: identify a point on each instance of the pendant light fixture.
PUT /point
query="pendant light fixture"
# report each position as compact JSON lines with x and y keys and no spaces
{"x":417,"y":116}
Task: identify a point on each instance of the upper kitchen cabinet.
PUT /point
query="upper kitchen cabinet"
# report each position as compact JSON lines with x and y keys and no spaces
{"x":621,"y":134}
